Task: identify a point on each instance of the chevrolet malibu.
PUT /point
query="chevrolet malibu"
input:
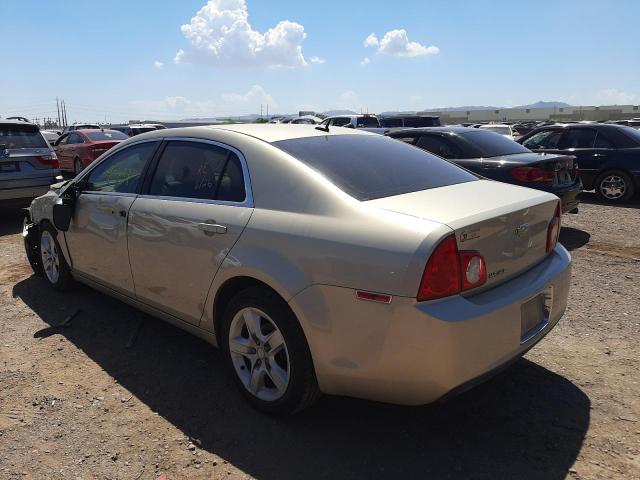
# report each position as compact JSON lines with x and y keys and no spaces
{"x":319,"y":259}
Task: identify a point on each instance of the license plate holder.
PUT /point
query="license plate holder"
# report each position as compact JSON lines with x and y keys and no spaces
{"x":535,"y":314}
{"x":9,"y":167}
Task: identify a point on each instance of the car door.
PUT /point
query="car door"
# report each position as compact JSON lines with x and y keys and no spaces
{"x":61,"y":149}
{"x":192,"y":211}
{"x":579,"y":142}
{"x":97,"y":236}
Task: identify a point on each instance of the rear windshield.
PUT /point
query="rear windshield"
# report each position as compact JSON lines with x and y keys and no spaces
{"x":21,"y":136}
{"x":417,"y":122}
{"x":106,"y":135}
{"x":632,"y":133}
{"x":369,"y":167}
{"x":490,"y":144}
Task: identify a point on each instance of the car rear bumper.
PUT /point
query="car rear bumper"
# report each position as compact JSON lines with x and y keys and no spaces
{"x":415,"y":353}
{"x":23,"y":193}
{"x":569,"y":197}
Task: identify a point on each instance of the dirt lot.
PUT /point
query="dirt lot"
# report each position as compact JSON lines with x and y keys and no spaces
{"x":77,"y":403}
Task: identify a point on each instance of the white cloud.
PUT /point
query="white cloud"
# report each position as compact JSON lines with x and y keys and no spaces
{"x":316,"y":59}
{"x":614,"y":96}
{"x":365,"y":61}
{"x":158,"y":64}
{"x":396,"y":43}
{"x":253,"y":98}
{"x":227,"y":104}
{"x":371,"y":41}
{"x":220,"y":34}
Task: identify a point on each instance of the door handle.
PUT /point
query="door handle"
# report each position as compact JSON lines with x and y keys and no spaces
{"x":599,"y":154}
{"x":212,"y":228}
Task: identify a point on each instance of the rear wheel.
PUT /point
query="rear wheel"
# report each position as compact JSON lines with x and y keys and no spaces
{"x":615,"y":186}
{"x":267,"y":353}
{"x":54,"y":266}
{"x":77,"y":166}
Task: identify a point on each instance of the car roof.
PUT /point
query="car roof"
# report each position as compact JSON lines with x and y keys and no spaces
{"x":16,"y":122}
{"x":452,"y":129}
{"x":268,"y":132}
{"x":489,"y":125}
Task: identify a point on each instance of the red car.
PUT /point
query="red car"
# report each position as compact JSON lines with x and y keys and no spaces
{"x":79,"y":148}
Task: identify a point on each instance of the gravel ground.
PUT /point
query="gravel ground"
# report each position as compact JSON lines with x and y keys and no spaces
{"x":75,"y":402}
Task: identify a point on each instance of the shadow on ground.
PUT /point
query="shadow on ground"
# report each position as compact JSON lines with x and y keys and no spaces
{"x":10,"y":220}
{"x":573,"y":238}
{"x":591,"y":199}
{"x":526,"y":423}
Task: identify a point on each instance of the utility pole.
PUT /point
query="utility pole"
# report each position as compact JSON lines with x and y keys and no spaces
{"x":58,"y":109}
{"x":260,"y":111}
{"x":267,"y":111}
{"x":64,"y":112}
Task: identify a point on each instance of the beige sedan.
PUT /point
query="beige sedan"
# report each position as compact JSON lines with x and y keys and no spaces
{"x":318,"y":259}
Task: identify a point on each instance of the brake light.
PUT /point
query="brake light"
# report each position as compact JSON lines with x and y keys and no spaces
{"x":553,"y":230}
{"x":449,"y":271}
{"x":49,"y":160}
{"x":532,"y":174}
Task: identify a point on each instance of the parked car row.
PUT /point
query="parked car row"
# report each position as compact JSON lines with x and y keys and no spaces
{"x":319,"y":259}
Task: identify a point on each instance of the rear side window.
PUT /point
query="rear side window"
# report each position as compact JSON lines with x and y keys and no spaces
{"x":21,"y":136}
{"x":199,"y":171}
{"x":438,"y":146}
{"x":547,"y":139}
{"x":391,"y":122}
{"x":419,"y":122}
{"x":578,"y":138}
{"x":603,"y":142}
{"x":74,"y":138}
{"x":633,"y":134}
{"x":367,"y":122}
{"x":121,"y":171}
{"x":371,"y":166}
{"x":106,"y":135}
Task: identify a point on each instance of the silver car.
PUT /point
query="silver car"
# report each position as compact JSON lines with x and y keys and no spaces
{"x":28,"y":164}
{"x":337,"y":261}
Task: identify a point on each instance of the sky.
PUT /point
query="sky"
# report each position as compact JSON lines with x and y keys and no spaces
{"x":119,"y":60}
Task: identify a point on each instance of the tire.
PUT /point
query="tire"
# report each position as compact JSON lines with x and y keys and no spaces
{"x":32,"y":247}
{"x":615,"y":186}
{"x":55,"y":269}
{"x":77,"y":166}
{"x":275,"y":379}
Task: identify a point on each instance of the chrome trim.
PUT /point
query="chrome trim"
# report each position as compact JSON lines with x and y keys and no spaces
{"x":248,"y":201}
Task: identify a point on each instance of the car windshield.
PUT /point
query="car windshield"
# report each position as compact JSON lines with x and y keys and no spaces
{"x":633,"y":133}
{"x":106,"y":135}
{"x":500,"y":130}
{"x":21,"y":136}
{"x":369,"y":167}
{"x":490,"y":144}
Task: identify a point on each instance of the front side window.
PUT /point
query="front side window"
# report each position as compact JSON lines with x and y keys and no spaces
{"x":121,"y":172}
{"x":340,"y":121}
{"x":74,"y":138}
{"x":547,"y":139}
{"x":199,"y":171}
{"x":578,"y":138}
{"x":603,"y":142}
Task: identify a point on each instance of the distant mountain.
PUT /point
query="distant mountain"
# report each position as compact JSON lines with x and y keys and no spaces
{"x":542,"y":104}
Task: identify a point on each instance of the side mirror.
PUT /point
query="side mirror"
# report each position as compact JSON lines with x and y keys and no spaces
{"x":62,"y":216}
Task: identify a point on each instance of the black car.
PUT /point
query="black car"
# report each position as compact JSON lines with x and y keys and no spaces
{"x":409,"y":121}
{"x":608,"y":155}
{"x":498,"y":158}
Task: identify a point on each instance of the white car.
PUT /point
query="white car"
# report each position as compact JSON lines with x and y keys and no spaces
{"x":338,"y":262}
{"x":504,"y":130}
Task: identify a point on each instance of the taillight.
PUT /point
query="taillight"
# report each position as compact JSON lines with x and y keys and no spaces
{"x":449,"y":271}
{"x":532,"y":174}
{"x":474,"y":270}
{"x":49,"y":160}
{"x":553,"y":230}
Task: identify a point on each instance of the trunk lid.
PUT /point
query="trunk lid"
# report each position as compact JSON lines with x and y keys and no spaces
{"x":563,"y":167}
{"x":505,"y":223}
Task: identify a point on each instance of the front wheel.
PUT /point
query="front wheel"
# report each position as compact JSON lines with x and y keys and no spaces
{"x":615,"y":186}
{"x":54,"y":266}
{"x":267,"y":353}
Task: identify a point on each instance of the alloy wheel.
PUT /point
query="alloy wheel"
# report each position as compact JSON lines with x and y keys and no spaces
{"x":259,"y":354}
{"x":50,"y":257}
{"x":613,"y":187}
